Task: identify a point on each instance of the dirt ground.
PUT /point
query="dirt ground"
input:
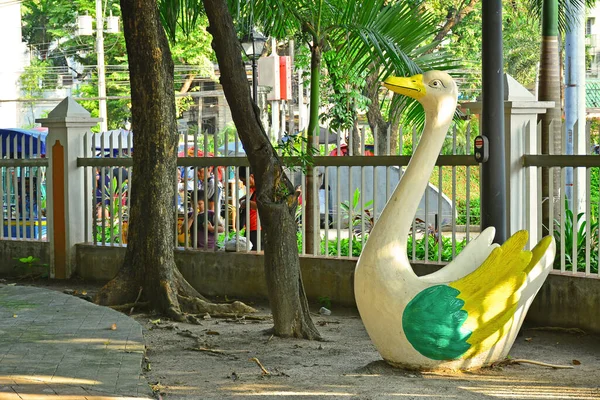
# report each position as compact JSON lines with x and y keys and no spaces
{"x":222,"y":359}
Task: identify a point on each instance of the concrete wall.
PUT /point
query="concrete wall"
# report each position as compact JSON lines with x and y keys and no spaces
{"x":235,"y":274}
{"x":566,"y":301}
{"x":11,"y":249}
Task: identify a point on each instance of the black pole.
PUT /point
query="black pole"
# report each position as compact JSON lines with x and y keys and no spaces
{"x":493,"y":180}
{"x":254,"y":79}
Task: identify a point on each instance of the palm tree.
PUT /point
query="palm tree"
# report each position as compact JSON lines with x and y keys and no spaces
{"x":366,"y":36}
{"x":362,"y":34}
{"x":556,"y":16}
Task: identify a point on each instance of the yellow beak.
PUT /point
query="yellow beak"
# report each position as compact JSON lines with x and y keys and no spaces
{"x":411,"y":87}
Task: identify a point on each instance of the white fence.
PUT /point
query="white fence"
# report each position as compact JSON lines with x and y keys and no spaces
{"x":350,"y":193}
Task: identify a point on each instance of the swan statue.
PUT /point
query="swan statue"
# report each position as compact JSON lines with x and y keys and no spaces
{"x":467,"y":314}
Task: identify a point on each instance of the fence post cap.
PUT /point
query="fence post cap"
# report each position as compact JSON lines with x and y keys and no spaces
{"x":68,"y":110}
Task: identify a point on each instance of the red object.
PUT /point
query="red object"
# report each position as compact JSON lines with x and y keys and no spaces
{"x":479,"y":143}
{"x":285,"y":78}
{"x":200,"y":153}
{"x":343,"y":150}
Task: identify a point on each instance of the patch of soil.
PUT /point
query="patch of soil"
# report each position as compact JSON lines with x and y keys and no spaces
{"x":237,"y":358}
{"x":217,"y":360}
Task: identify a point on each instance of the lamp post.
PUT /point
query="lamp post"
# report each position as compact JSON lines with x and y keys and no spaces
{"x":253,"y":45}
{"x":84,"y":24}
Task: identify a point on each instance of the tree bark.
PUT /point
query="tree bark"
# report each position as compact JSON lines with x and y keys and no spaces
{"x":276,"y":198}
{"x":357,"y":147}
{"x":312,"y":234}
{"x":549,"y":90}
{"x":149,"y":260}
{"x":378,"y":124}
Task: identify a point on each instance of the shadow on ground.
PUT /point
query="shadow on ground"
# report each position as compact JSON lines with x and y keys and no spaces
{"x":58,"y":346}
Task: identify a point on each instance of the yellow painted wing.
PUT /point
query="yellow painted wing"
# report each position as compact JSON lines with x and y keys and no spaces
{"x":491,"y":292}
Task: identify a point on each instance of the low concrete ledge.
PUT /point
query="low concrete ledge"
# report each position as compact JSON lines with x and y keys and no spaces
{"x":236,"y":274}
{"x":567,"y":300}
{"x":11,"y":249}
{"x":564,"y":300}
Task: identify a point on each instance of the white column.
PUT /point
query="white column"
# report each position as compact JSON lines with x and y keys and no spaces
{"x":301,"y":108}
{"x":520,"y":112}
{"x":274,"y":120}
{"x":102,"y":113}
{"x":66,"y":206}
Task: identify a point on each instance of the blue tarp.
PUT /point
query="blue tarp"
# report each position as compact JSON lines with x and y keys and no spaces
{"x":231,"y":150}
{"x":25,"y":138}
{"x":115,"y":140}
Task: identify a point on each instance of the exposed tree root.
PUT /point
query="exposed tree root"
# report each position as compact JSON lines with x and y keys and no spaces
{"x":219,"y":352}
{"x":137,"y":299}
{"x":262,"y":368}
{"x":175,"y":299}
{"x":524,"y":361}
{"x":237,"y":317}
{"x":195,"y":305}
{"x":120,"y":290}
{"x":130,"y":306}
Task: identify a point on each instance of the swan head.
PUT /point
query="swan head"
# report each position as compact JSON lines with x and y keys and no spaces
{"x":433,"y":89}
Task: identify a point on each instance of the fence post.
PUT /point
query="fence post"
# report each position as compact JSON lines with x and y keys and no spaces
{"x":67,"y":125}
{"x":521,"y":110}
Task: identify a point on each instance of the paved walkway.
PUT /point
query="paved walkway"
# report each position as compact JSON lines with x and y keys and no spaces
{"x":57,"y":346}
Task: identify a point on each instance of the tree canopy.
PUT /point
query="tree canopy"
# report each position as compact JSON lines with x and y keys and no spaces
{"x":49,"y":29}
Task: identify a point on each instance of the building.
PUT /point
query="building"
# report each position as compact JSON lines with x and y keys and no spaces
{"x":14,"y":59}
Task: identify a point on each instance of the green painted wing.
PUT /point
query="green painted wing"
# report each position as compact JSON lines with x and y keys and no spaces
{"x":432,"y":323}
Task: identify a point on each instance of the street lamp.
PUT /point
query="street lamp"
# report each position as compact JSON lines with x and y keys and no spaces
{"x":253,"y":45}
{"x":84,"y":25}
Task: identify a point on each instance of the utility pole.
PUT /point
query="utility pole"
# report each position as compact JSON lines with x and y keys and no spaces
{"x":493,"y":180}
{"x":101,"y":70}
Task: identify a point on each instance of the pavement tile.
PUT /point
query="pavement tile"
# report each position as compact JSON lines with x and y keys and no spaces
{"x":60,"y":346}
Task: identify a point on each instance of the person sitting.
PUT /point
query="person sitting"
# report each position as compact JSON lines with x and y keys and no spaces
{"x":207,"y":222}
{"x":211,"y":186}
{"x":250,"y":191}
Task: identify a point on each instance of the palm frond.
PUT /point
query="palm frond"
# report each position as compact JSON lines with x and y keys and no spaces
{"x":179,"y":14}
{"x":567,"y":11}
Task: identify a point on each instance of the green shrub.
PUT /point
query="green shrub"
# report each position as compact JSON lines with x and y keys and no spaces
{"x":474,"y":212}
{"x":579,"y":236}
{"x":433,"y":246}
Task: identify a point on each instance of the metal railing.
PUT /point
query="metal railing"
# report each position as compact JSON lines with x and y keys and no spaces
{"x":573,"y":223}
{"x":349,"y":194}
{"x":574,"y":206}
{"x":22,"y":188}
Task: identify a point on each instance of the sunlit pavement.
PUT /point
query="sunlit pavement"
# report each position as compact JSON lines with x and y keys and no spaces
{"x":58,"y":346}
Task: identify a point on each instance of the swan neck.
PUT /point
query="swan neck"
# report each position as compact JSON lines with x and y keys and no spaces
{"x":393,"y":225}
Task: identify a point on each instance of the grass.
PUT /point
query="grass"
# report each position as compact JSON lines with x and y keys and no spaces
{"x":459,"y":194}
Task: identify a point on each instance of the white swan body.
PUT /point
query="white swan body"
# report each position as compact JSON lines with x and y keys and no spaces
{"x":467,"y":314}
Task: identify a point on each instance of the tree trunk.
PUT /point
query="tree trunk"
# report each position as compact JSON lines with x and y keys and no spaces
{"x":312,"y":234}
{"x":276,"y":198}
{"x":357,"y":147}
{"x":149,"y":260}
{"x":378,"y":125}
{"x":549,"y":90}
{"x":394,"y":130}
